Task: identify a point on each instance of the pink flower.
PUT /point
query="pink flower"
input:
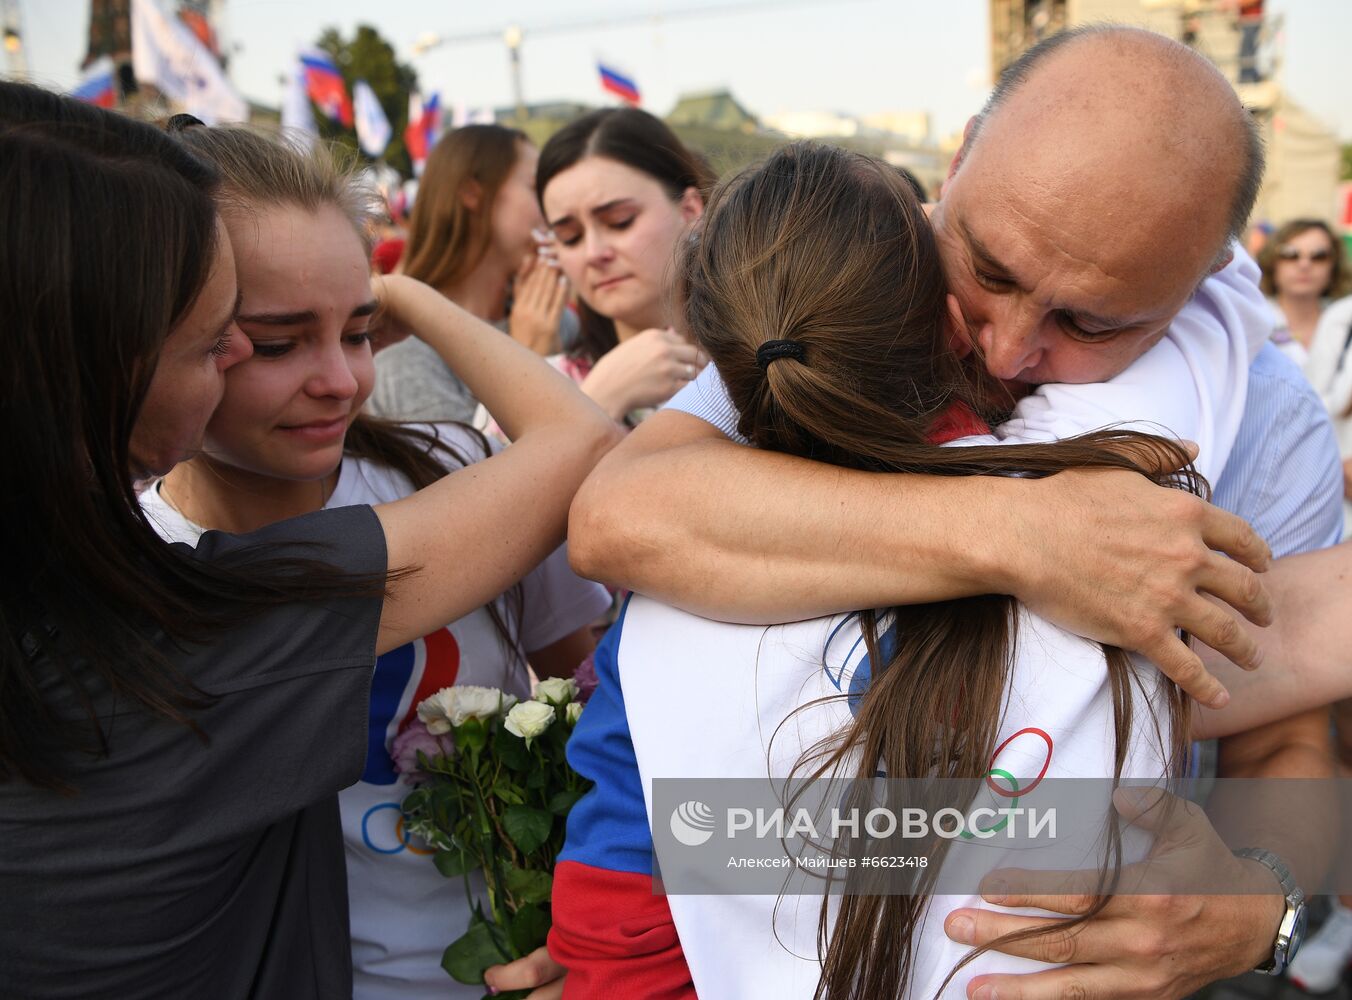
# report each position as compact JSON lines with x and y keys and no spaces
{"x":409,"y":742}
{"x":585,"y":678}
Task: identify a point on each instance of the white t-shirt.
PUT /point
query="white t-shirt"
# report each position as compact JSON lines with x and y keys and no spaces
{"x":403,"y":912}
{"x":761,"y":697}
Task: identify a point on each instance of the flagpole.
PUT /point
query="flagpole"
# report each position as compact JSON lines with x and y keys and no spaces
{"x":512,"y":36}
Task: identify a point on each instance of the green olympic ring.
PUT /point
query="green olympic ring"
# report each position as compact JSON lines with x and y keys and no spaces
{"x":995,"y":771}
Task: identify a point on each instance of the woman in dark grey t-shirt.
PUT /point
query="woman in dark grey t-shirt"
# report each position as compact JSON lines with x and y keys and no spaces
{"x":174,"y":722}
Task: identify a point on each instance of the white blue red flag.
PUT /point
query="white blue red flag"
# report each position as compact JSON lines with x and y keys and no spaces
{"x":325,"y":86}
{"x":97,"y":86}
{"x":166,"y":53}
{"x":373,"y":128}
{"x":424,"y":121}
{"x":621,"y":85}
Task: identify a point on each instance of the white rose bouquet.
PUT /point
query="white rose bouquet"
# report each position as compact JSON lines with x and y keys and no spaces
{"x":493,"y":793}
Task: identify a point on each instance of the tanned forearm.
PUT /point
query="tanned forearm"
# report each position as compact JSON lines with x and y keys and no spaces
{"x":1307,"y":652}
{"x":743,"y":535}
{"x":683,"y":515}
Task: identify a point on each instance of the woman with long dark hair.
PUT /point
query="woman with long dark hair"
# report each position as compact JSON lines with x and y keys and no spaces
{"x":175,"y":721}
{"x":289,"y":438}
{"x":620,"y":192}
{"x":816,"y":288}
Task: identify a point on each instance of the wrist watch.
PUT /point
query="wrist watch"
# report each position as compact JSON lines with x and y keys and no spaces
{"x":1291,"y":931}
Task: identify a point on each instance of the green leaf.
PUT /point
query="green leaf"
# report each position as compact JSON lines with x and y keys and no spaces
{"x":527,"y":826}
{"x":537,"y":778}
{"x":416,"y":801}
{"x":511,"y":751}
{"x":506,"y":791}
{"x":562,"y":802}
{"x":528,"y":887}
{"x":529,"y":928}
{"x":454,"y":862}
{"x":468,"y":955}
{"x":444,"y":806}
{"x":472,"y":734}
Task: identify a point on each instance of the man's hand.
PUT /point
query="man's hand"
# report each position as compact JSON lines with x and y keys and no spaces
{"x":1139,"y":946}
{"x":1111,"y":556}
{"x":535,"y":970}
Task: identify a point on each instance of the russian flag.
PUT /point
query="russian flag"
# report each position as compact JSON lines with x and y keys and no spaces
{"x":96,"y":85}
{"x":324,"y":85}
{"x":424,"y":120}
{"x":618,"y":84}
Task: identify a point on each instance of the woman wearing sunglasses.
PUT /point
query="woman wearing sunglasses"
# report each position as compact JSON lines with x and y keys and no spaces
{"x":1303,"y":269}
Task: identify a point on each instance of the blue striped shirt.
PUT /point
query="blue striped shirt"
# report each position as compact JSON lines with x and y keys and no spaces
{"x":1284,"y":476}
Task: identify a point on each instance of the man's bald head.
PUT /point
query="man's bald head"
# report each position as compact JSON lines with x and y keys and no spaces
{"x":1098,"y":188}
{"x":1135,"y":114}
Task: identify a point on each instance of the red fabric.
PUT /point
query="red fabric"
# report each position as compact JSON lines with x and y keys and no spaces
{"x":958,"y":421}
{"x":615,"y":938}
{"x":387,"y":254}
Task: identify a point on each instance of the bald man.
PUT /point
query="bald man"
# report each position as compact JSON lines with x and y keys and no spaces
{"x":1104,"y":181}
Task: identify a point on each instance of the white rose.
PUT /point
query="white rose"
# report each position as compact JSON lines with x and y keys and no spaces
{"x":573,"y":712}
{"x":556,"y":690}
{"x":529,"y":719}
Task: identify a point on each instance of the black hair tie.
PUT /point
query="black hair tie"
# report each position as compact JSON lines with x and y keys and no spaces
{"x":180,"y":122}
{"x":773,"y":350}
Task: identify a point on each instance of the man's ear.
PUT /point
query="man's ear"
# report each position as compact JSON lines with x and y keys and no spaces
{"x":955,"y":328}
{"x":1223,"y":261}
{"x":471,"y":195}
{"x":961,"y":154}
{"x":691,"y":205}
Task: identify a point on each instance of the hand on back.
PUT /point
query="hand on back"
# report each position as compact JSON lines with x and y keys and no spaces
{"x":1113,"y":557}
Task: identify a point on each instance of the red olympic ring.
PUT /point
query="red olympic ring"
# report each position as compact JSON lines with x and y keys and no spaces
{"x":1017,"y":793}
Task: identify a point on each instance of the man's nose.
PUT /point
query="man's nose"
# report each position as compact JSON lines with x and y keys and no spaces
{"x":1011,"y":341}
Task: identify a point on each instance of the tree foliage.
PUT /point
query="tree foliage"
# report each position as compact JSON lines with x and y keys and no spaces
{"x":1345,"y":174}
{"x":367,"y":56}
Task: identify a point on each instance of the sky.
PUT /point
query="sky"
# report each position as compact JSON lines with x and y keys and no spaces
{"x":854,"y":56}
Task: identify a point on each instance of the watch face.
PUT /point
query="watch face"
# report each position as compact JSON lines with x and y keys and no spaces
{"x":1297,"y":932}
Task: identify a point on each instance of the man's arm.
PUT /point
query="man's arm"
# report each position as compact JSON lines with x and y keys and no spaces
{"x":1307,"y":653}
{"x":684,"y":515}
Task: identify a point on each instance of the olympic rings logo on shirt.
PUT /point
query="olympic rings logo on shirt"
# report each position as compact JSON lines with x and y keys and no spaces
{"x":1015,"y":791}
{"x":393,"y":840}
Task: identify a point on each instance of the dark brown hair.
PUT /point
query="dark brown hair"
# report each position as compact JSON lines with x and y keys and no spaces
{"x":107,"y":235}
{"x":446,"y":239}
{"x":831,"y":250}
{"x":639,"y":141}
{"x":1340,"y":280}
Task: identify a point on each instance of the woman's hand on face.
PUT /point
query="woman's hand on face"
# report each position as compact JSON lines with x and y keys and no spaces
{"x":387,"y":326}
{"x":540,"y":294}
{"x":646,"y":370}
{"x":1347,"y":478}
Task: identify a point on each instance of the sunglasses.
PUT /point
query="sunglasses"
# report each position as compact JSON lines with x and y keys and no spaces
{"x":1314,"y":257}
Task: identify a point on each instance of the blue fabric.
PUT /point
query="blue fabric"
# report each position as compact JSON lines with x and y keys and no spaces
{"x":1284,"y":476}
{"x":608,"y":828}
